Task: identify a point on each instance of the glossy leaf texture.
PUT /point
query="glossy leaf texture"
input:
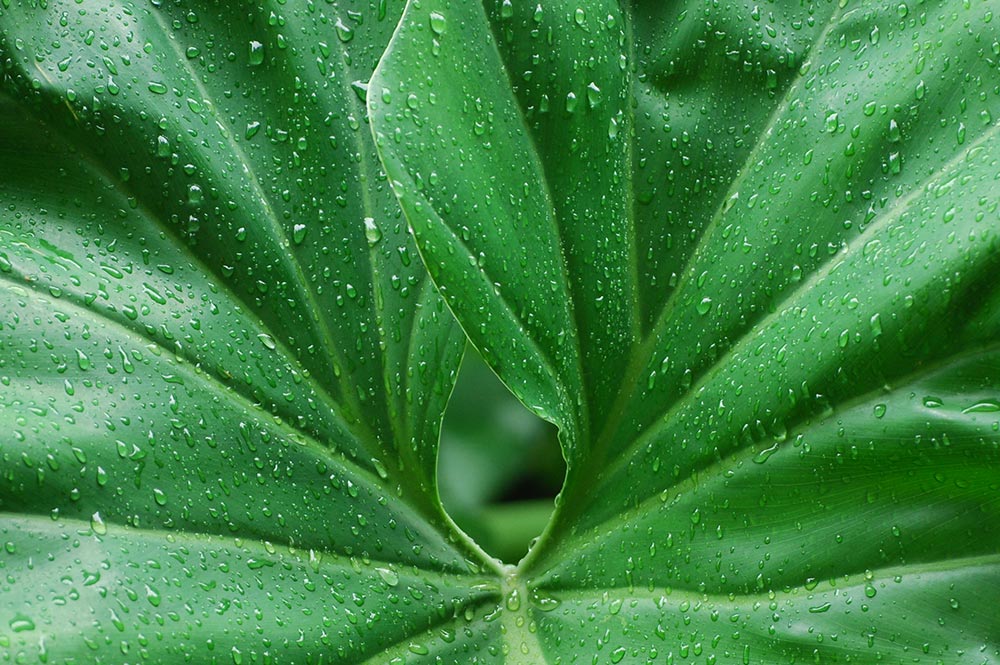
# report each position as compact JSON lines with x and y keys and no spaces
{"x":222,"y":367}
{"x":744,"y":255}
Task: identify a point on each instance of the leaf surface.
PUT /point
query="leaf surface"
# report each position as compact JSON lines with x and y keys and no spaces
{"x":223,"y":368}
{"x":742,"y":254}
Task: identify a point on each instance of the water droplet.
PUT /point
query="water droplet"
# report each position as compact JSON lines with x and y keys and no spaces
{"x":439,"y":24}
{"x":256,"y":53}
{"x":380,"y":468}
{"x":832,"y":122}
{"x":542,"y":602}
{"x":20,"y":623}
{"x":345,"y":33}
{"x":876,"y":324}
{"x":571,"y":102}
{"x":372,"y":232}
{"x":417,"y":648}
{"x":98,"y":525}
{"x":894,"y":134}
{"x":765,"y":454}
{"x":984,"y":406}
{"x":162,"y":146}
{"x":593,"y":95}
{"x":388,"y":576}
{"x":298,"y":233}
{"x":895,"y":166}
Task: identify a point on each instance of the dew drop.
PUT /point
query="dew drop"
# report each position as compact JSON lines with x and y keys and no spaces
{"x":98,"y":525}
{"x":593,"y":95}
{"x":345,"y":33}
{"x":439,"y":24}
{"x":832,"y":122}
{"x":256,"y":53}
{"x":20,"y":623}
{"x":571,"y":102}
{"x":372,"y":232}
{"x":388,"y":576}
{"x":984,"y":406}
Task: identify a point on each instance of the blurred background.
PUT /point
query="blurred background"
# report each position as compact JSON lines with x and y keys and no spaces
{"x":500,"y":466}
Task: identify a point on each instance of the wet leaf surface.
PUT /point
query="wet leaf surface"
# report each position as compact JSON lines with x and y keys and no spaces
{"x":741,"y":254}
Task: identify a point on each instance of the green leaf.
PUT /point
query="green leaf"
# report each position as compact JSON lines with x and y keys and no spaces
{"x":223,"y":369}
{"x":742,"y":254}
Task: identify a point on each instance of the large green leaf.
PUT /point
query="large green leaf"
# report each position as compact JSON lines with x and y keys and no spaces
{"x":222,"y":369}
{"x":742,"y":254}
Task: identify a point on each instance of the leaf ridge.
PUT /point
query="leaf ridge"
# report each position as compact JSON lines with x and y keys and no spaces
{"x":362,"y":438}
{"x":369,"y":210}
{"x":899,"y":206}
{"x":642,"y":353}
{"x":629,"y":175}
{"x":239,"y":400}
{"x":42,"y":523}
{"x":529,"y":343}
{"x":922,"y":568}
{"x":567,"y":284}
{"x":300,"y":283}
{"x":745,"y":453}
